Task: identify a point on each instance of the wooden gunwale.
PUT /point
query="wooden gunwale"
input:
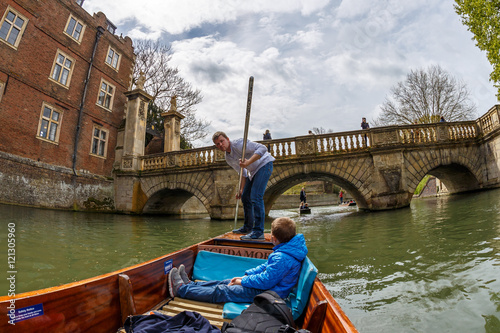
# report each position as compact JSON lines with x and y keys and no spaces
{"x":95,"y":304}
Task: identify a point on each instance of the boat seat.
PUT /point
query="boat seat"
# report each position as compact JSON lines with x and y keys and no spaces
{"x":210,"y":266}
{"x":216,"y":266}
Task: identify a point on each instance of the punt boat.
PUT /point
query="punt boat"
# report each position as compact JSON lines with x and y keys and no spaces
{"x":103,"y":303}
{"x":305,"y":210}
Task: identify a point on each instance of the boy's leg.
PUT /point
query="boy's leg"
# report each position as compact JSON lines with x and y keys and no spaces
{"x":259,"y":184}
{"x":217,"y":292}
{"x":200,"y":291}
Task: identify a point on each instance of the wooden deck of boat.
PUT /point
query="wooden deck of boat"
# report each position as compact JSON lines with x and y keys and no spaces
{"x":212,"y":312}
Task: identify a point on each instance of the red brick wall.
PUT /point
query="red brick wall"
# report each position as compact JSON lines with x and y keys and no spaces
{"x":26,"y":72}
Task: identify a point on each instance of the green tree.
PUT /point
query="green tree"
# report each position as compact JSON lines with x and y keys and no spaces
{"x":482,"y":17}
{"x":424,"y":97}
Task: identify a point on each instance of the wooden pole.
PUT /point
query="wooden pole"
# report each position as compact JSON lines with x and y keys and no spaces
{"x":245,"y":135}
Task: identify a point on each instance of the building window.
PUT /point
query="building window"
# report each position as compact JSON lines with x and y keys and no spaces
{"x":12,"y":27}
{"x":62,"y":68}
{"x":99,"y":141}
{"x":111,"y":27}
{"x":113,"y":58}
{"x":49,"y":126}
{"x":74,"y":28}
{"x":106,"y":94}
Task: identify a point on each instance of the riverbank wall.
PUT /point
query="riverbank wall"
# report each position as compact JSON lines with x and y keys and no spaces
{"x":27,"y":182}
{"x":292,"y":201}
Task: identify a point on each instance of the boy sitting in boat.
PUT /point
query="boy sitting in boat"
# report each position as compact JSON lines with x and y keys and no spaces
{"x":279,"y":273}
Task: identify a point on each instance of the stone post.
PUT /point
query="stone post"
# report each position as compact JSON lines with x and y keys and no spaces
{"x":172,"y":124}
{"x":135,"y":127}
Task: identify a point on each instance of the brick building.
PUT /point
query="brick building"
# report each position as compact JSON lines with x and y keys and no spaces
{"x":59,"y":129}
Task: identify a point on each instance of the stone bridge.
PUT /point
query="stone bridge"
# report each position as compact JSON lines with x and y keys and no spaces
{"x":380,"y":167}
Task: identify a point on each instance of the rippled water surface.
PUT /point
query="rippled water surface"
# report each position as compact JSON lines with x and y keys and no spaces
{"x":433,"y":267}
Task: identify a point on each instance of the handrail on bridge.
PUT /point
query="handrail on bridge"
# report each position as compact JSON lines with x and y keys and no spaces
{"x":340,"y":143}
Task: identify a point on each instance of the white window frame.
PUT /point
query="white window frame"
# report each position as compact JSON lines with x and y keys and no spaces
{"x":20,"y":29}
{"x":62,"y":67}
{"x":113,"y":58}
{"x":50,"y":121}
{"x":72,"y":33}
{"x":103,"y":95}
{"x":99,"y":140}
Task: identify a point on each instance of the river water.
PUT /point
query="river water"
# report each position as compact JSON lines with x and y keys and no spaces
{"x":433,"y":267}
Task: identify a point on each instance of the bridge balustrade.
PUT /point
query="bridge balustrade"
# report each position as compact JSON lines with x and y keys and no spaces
{"x":339,"y":143}
{"x":440,"y":132}
{"x":183,"y":158}
{"x":490,"y":120}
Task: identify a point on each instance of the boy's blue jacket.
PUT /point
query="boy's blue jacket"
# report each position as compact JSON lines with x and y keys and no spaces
{"x":281,"y":271}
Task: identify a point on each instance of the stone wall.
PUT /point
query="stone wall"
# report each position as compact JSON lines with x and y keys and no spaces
{"x":30,"y":183}
{"x":292,"y":201}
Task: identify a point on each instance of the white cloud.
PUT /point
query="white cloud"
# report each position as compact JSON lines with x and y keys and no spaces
{"x":316,"y":63}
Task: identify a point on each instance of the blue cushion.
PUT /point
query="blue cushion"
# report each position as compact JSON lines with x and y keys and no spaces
{"x":298,"y":297}
{"x":210,"y":266}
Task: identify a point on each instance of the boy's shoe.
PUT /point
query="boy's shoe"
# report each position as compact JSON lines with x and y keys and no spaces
{"x":174,"y":281}
{"x":242,"y":230}
{"x":253,"y":237}
{"x":183,"y":274}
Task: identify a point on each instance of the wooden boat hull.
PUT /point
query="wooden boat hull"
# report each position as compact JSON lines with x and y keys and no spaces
{"x":101,"y":304}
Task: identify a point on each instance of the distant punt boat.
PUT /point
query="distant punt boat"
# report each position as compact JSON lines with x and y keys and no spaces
{"x":306,"y":210}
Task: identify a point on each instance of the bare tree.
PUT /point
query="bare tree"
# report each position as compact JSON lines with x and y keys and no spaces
{"x":162,"y":83}
{"x":426,"y":96}
{"x":321,"y":130}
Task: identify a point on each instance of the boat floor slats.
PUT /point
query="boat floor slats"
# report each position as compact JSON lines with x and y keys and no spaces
{"x":178,"y":309}
{"x":196,"y":303}
{"x":212,"y":312}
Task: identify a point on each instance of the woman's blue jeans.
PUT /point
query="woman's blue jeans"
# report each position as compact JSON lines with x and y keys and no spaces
{"x":217,"y":292}
{"x":253,"y":199}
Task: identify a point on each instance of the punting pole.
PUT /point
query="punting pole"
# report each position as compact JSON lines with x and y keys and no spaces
{"x":245,"y":135}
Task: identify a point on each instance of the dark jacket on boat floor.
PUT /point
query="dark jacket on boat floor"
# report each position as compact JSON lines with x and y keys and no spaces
{"x":185,"y":322}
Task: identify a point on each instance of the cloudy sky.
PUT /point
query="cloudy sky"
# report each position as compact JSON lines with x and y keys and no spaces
{"x":316,"y":63}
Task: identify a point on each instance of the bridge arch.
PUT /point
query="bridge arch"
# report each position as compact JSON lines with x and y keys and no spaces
{"x":459,"y":172}
{"x":166,"y":194}
{"x":274,"y":191}
{"x":349,"y":175}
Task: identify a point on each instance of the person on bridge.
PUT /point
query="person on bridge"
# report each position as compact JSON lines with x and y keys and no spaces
{"x":365,"y":126}
{"x":257,"y":167}
{"x":267,"y":136}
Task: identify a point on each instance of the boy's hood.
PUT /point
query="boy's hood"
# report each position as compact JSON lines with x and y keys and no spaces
{"x":296,"y":247}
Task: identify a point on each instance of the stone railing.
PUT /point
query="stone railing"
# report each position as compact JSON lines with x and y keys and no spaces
{"x":340,"y":143}
{"x":439,"y":132}
{"x":490,"y":120}
{"x":183,"y":158}
{"x":331,"y":143}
